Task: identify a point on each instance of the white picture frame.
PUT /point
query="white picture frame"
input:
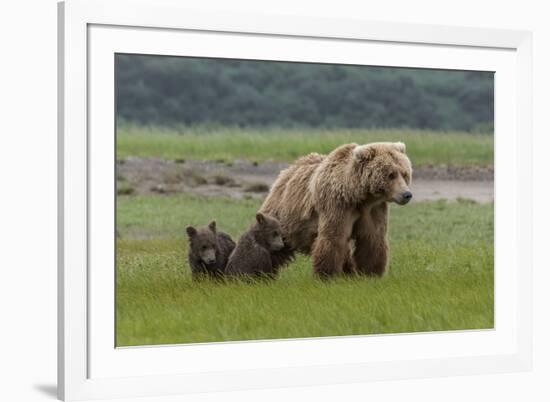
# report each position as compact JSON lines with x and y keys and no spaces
{"x":90,"y":367}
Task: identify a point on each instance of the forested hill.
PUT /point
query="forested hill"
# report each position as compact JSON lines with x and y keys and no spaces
{"x":159,"y":90}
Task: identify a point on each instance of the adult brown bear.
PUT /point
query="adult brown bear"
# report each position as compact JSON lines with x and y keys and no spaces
{"x":335,"y":207}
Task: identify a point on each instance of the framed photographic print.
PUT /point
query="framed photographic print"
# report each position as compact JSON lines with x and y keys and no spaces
{"x":254,"y":201}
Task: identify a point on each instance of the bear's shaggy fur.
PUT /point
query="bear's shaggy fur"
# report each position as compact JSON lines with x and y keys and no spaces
{"x":209,"y":251}
{"x":334,"y":207}
{"x":252,"y":257}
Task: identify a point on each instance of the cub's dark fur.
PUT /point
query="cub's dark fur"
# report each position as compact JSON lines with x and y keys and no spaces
{"x":255,"y":253}
{"x":209,"y":251}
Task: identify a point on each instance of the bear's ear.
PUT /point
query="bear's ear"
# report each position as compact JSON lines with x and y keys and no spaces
{"x":400,"y":147}
{"x":364,"y":152}
{"x":260,"y":218}
{"x":191,"y":231}
{"x":212,"y":226}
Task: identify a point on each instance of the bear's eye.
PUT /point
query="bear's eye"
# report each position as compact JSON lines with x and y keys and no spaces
{"x":391,"y":176}
{"x":275,"y":234}
{"x":204,"y":247}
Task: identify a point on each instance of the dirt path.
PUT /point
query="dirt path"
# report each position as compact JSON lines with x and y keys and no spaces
{"x":433,"y":190}
{"x":242,"y":179}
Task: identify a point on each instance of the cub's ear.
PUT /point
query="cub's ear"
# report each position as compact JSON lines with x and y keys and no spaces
{"x":400,"y":147}
{"x":260,"y":218}
{"x":364,"y":153}
{"x":191,"y":231}
{"x":212,"y":226}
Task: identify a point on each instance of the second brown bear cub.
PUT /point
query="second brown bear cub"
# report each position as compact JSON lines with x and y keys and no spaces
{"x":255,"y":250}
{"x":209,"y":250}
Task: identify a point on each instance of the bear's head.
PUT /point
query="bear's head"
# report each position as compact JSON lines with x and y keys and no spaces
{"x":267,"y":232}
{"x":385,"y":171}
{"x":203,"y":242}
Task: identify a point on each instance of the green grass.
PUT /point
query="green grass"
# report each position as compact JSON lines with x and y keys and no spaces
{"x":228,"y":144}
{"x":440,"y":278}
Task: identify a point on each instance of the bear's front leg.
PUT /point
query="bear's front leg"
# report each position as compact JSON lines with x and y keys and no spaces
{"x":371,"y":246}
{"x":331,"y":247}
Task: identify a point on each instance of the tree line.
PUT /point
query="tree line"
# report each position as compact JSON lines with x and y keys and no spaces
{"x":163,"y":90}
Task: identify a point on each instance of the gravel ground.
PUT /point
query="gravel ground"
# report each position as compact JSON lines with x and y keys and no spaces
{"x":242,"y":179}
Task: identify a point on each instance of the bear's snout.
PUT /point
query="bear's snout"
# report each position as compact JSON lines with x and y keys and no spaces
{"x":209,"y":256}
{"x":405,"y":198}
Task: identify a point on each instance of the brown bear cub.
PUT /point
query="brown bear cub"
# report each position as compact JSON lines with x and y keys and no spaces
{"x":254,"y":254}
{"x":209,"y":251}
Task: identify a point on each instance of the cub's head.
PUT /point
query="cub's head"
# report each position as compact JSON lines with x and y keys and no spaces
{"x":385,"y":170}
{"x":268,"y":232}
{"x":203,"y":242}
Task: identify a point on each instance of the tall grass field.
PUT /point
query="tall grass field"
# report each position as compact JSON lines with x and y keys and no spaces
{"x":228,"y":144}
{"x":440,"y":277}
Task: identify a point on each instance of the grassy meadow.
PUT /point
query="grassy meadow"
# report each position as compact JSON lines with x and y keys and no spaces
{"x":440,"y":278}
{"x":441,"y":268}
{"x":227,"y":144}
